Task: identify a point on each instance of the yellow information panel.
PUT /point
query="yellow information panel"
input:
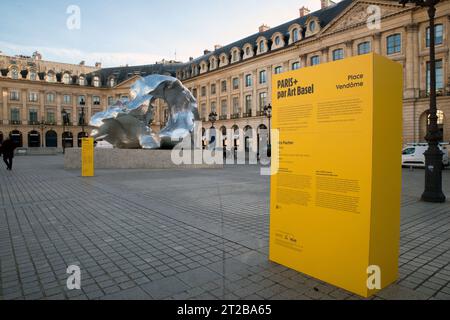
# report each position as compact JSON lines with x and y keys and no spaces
{"x":87,"y":157}
{"x":335,"y":201}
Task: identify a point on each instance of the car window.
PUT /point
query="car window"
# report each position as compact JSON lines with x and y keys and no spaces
{"x":409,"y":151}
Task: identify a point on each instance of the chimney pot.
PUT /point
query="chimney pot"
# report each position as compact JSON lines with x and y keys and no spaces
{"x":304,"y":11}
{"x":326,"y":3}
{"x":263,"y":28}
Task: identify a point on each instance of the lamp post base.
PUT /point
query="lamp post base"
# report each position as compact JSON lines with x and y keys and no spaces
{"x":433,"y":197}
{"x":433,"y":176}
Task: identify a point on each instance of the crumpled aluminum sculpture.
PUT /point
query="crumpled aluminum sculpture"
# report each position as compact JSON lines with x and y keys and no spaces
{"x":125,"y":124}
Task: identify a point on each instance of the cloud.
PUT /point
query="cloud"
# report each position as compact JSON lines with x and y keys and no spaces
{"x":69,"y":55}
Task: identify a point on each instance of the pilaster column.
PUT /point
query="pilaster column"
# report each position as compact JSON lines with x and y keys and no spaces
{"x":23,"y":97}
{"x":377,"y":43}
{"x":58,"y":117}
{"x":254,"y":96}
{"x":241,"y":92}
{"x":348,"y":49}
{"x":324,"y":55}
{"x":4,"y":92}
{"x":88,"y":109}
{"x":269,"y":84}
{"x":412,"y":62}
{"x":74,"y":110}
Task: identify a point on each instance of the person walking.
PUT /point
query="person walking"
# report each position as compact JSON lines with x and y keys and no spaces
{"x":7,"y":150}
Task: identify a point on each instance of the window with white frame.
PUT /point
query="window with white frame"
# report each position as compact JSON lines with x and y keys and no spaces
{"x":315,"y":60}
{"x":14,"y":95}
{"x":50,"y":97}
{"x":248,"y":80}
{"x":364,"y":48}
{"x":33,"y":97}
{"x":394,"y":43}
{"x":338,"y":54}
{"x":66,"y":78}
{"x":67,"y":99}
{"x":262,"y":76}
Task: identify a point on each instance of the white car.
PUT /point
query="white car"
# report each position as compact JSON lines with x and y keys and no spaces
{"x":413,"y":155}
{"x":101,"y":144}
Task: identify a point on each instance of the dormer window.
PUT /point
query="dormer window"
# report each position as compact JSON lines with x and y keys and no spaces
{"x":312,"y":26}
{"x":66,"y":78}
{"x":14,"y":74}
{"x":96,"y":82}
{"x":112,"y":82}
{"x":262,"y":46}
{"x":82,"y":81}
{"x":247,"y":51}
{"x":33,"y":76}
{"x":277,"y":41}
{"x":295,"y":36}
{"x":50,"y":77}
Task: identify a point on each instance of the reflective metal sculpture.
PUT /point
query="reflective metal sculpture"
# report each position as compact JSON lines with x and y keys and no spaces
{"x":125,"y":124}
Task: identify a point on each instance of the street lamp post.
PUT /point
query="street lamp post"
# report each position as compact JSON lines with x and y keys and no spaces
{"x":433,"y":156}
{"x":82,"y":122}
{"x":42,"y":127}
{"x":213,"y":118}
{"x":268,"y":114}
{"x":64,"y":120}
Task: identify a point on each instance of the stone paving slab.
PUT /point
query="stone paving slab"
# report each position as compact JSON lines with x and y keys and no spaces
{"x":180,"y":234}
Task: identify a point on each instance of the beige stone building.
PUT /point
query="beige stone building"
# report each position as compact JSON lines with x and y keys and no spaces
{"x":235,"y":80}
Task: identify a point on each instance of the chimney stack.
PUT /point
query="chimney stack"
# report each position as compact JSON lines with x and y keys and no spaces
{"x":206,"y":51}
{"x":326,"y":3}
{"x":263,"y":28}
{"x":217,"y":47}
{"x":304,"y":11}
{"x":98,"y":65}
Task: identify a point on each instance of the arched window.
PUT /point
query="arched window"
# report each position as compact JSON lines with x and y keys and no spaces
{"x":295,"y":36}
{"x":312,"y":26}
{"x":33,"y":76}
{"x":364,"y":47}
{"x":14,"y":74}
{"x":338,"y":54}
{"x":51,"y":139}
{"x":247,"y":51}
{"x":16,"y":137}
{"x":67,"y":140}
{"x":81,"y":135}
{"x":277,"y":41}
{"x":112,"y":82}
{"x":66,"y":78}
{"x":34,"y":139}
{"x":262,"y":46}
{"x":96,"y":82}
{"x":51,"y":77}
{"x":82,"y":81}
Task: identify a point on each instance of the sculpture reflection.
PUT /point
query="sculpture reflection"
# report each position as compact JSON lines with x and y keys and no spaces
{"x":125,"y":124}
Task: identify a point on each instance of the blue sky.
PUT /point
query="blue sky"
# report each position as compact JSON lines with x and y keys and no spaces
{"x":135,"y":31}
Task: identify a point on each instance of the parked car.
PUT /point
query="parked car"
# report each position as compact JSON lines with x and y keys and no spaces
{"x":413,"y":155}
{"x":101,"y":144}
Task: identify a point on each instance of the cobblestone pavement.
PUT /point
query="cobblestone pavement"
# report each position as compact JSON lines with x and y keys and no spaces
{"x":144,"y":234}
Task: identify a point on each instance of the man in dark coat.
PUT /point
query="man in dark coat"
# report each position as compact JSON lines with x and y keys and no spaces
{"x":7,"y":149}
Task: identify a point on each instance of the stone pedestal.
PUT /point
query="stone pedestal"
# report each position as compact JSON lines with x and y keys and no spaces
{"x":129,"y":159}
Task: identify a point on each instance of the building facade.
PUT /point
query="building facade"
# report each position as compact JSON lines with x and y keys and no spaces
{"x":235,"y":80}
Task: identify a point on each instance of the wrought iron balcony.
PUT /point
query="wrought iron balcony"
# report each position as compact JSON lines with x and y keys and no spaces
{"x":247,"y":115}
{"x":16,"y":122}
{"x":235,"y":116}
{"x":223,"y":117}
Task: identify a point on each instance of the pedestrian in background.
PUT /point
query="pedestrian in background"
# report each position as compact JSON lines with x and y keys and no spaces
{"x":7,"y":150}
